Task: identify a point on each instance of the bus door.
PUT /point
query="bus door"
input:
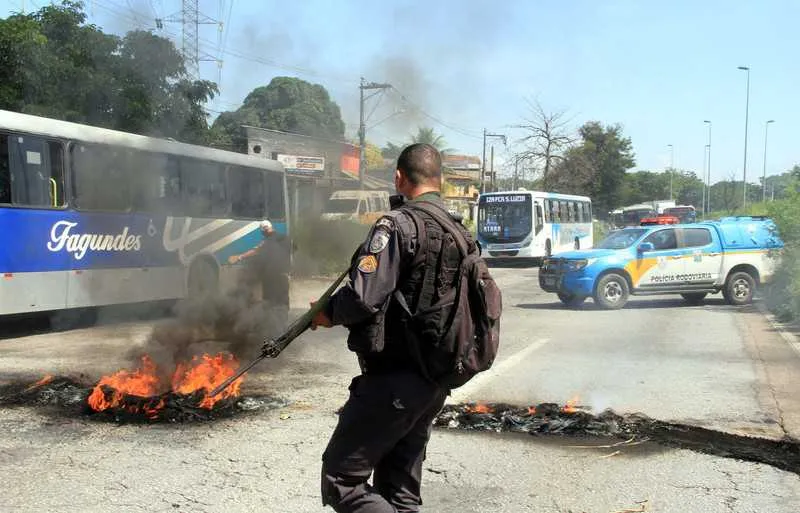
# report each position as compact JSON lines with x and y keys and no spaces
{"x":538,"y":224}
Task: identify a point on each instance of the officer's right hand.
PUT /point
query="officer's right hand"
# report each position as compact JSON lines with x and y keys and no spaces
{"x":320,"y":319}
{"x":233,"y":259}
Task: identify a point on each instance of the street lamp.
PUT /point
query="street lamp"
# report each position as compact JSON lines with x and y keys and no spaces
{"x":746,"y":117}
{"x":708,"y":203}
{"x":671,"y":167}
{"x":764,"y":178}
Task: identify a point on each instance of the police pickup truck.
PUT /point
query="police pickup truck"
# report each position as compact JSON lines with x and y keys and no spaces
{"x":733,"y":255}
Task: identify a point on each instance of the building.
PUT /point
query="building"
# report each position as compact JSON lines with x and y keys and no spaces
{"x":315,"y":167}
{"x":461,"y":183}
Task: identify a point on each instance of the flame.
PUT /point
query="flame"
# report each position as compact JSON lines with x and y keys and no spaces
{"x":531,"y":410}
{"x":480,"y":408}
{"x":570,"y":406}
{"x":45,"y":380}
{"x":207,"y":372}
{"x":201,"y":373}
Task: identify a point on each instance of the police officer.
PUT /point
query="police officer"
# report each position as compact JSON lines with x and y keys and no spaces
{"x":386,"y":423}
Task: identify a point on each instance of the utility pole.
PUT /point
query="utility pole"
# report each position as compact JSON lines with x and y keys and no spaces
{"x":491,"y":171}
{"x":746,"y":119}
{"x":516,"y":166}
{"x":483,"y":161}
{"x":362,"y":127}
{"x":671,"y":167}
{"x":708,"y":203}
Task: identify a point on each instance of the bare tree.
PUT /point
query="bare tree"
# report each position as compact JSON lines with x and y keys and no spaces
{"x":547,"y":138}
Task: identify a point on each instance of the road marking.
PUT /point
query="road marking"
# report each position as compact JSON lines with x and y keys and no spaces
{"x":460,"y":394}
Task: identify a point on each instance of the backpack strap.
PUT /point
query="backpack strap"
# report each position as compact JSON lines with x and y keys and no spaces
{"x":440,"y":215}
{"x":430,"y":245}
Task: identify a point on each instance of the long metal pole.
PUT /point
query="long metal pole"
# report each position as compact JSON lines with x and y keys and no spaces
{"x":709,"y":167}
{"x":671,"y":166}
{"x":362,"y":136}
{"x":491,"y":171}
{"x":764,"y":177}
{"x":746,"y":120}
{"x":483,"y":163}
{"x":703,"y":201}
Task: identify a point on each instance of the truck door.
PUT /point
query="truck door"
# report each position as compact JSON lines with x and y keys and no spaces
{"x":661,"y":267}
{"x":702,"y":266}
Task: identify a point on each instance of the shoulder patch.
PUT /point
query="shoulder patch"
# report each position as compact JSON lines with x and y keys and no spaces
{"x":379,"y":241}
{"x":385,"y":222}
{"x":368,"y":264}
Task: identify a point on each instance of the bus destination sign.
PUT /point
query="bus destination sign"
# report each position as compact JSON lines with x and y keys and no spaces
{"x":511,"y":198}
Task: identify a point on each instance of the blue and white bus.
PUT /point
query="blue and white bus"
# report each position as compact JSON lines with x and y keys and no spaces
{"x":92,"y":217}
{"x":532,"y":224}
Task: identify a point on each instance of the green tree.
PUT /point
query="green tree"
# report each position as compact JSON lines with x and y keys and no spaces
{"x":287,"y":104}
{"x":427,"y":135}
{"x":373,"y":156}
{"x":391,"y":151}
{"x":54,"y":64}
{"x":596,"y":167}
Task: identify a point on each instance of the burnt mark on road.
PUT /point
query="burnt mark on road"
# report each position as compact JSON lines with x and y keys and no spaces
{"x":552,"y":419}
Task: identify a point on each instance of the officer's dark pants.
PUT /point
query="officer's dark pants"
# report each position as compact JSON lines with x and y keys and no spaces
{"x":384,"y":427}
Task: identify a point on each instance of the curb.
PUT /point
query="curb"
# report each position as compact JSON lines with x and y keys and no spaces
{"x":790,"y":338}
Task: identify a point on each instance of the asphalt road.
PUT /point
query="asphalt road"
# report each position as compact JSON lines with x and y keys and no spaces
{"x":711,"y":365}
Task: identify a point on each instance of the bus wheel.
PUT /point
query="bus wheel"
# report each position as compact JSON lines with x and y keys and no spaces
{"x":577,"y":243}
{"x":203,"y":279}
{"x":611,"y":292}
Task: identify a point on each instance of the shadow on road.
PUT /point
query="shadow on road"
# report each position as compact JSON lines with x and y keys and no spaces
{"x":65,"y":320}
{"x":511,"y":264}
{"x":636,"y":304}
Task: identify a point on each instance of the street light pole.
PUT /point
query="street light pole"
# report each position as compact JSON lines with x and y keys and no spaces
{"x":708,"y":203}
{"x":671,"y":167}
{"x":746,"y":119}
{"x":764,"y":178}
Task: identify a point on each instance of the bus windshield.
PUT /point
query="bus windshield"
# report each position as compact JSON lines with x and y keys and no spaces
{"x":633,"y":217}
{"x":621,"y":239}
{"x":505,"y":218}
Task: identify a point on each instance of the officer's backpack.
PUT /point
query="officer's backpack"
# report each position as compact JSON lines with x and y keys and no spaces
{"x":454,"y":330}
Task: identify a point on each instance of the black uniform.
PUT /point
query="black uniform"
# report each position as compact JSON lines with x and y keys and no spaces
{"x":386,"y":423}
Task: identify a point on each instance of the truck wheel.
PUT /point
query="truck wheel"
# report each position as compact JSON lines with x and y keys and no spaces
{"x":611,"y":292}
{"x":740,"y":288}
{"x":694,"y":298}
{"x":570,"y":299}
{"x":203,"y":279}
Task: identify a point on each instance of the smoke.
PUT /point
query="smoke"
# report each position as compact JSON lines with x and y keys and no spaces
{"x":235,"y":321}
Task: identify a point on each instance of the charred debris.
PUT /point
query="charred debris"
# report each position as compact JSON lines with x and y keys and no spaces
{"x":553,"y":419}
{"x":69,"y":396}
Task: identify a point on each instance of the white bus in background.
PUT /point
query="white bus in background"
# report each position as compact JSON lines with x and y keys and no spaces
{"x":533,"y":225}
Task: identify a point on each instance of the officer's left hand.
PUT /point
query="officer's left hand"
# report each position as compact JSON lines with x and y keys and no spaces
{"x":320,"y":320}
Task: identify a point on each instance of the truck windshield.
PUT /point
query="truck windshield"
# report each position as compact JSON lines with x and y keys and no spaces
{"x":621,"y":239}
{"x":505,"y":218}
{"x":342,"y":206}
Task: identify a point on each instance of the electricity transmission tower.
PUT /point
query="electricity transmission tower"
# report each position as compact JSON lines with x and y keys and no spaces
{"x":191,"y":18}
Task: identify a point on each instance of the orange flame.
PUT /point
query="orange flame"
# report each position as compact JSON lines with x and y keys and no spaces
{"x":480,"y":408}
{"x":201,"y":373}
{"x":45,"y":380}
{"x":570,"y":406}
{"x":531,"y":410}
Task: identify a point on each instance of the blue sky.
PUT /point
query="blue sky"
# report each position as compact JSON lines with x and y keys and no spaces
{"x":657,"y":68}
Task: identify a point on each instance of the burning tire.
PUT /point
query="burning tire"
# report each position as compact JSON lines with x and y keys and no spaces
{"x":612,"y":291}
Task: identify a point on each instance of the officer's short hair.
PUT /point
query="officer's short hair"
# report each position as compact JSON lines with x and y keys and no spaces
{"x":421,"y":163}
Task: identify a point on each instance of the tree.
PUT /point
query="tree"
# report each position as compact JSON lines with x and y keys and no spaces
{"x":391,"y":151}
{"x":546,"y":139}
{"x":596,"y":167}
{"x":287,"y":104}
{"x":373,"y":156}
{"x":427,"y":135}
{"x":54,"y":64}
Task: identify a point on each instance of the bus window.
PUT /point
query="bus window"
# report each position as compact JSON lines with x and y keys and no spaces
{"x":156,"y":186}
{"x":276,"y":208}
{"x":31,"y":171}
{"x":556,"y":214}
{"x":204,"y":191}
{"x":572,"y":215}
{"x":539,"y":221}
{"x":100,"y":178}
{"x":247,"y":193}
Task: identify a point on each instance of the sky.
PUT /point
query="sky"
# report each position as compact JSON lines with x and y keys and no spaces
{"x":658,"y":69}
